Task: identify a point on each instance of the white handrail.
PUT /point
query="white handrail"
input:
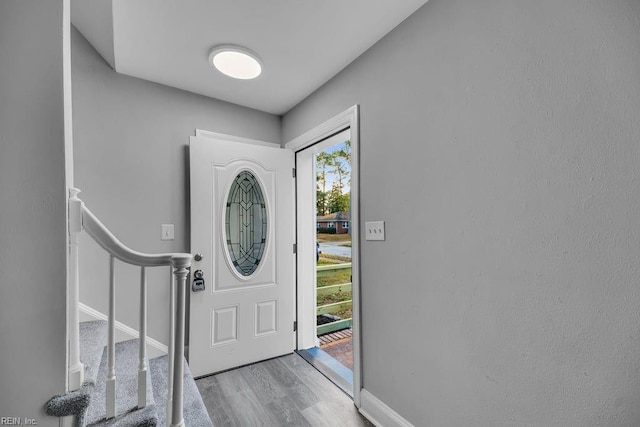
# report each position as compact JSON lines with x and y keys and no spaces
{"x":81,"y":218}
{"x":112,"y":245}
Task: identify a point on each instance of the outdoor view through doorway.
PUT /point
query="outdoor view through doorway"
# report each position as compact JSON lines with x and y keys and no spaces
{"x":325,"y":202}
{"x":333,"y":269}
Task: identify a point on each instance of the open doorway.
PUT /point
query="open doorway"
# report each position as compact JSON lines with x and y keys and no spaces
{"x":332,"y":276}
{"x":327,"y":254}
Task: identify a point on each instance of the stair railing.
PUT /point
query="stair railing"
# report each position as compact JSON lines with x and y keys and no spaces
{"x":81,"y":219}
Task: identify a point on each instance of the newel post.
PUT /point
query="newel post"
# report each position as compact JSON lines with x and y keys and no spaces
{"x":76,"y":368}
{"x":180,"y":273}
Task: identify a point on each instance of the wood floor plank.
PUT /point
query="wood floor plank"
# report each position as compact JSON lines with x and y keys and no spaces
{"x":285,"y":391}
{"x":218,"y":405}
{"x":262,"y":382}
{"x":301,"y":395}
{"x":249,"y":411}
{"x":287,"y":414}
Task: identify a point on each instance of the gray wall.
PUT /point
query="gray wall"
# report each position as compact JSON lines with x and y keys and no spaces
{"x":131,"y":163}
{"x":32,"y":209}
{"x":499,"y":142}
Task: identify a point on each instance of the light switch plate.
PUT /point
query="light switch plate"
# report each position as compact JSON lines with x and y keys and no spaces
{"x":374,"y":230}
{"x":167,"y":232}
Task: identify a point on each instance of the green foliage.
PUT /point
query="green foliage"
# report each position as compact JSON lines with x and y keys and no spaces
{"x":335,"y":162}
{"x":327,"y":230}
{"x":324,"y":160}
{"x":322,"y":200}
{"x":338,"y":202}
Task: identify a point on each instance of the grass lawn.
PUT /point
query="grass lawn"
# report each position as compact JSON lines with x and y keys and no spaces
{"x":323,"y":238}
{"x":338,"y":277}
{"x":332,"y":259}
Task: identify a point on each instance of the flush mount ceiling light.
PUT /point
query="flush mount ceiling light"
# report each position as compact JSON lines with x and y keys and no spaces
{"x":235,"y":61}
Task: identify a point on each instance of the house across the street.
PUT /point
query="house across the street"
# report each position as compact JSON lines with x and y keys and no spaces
{"x":338,"y":220}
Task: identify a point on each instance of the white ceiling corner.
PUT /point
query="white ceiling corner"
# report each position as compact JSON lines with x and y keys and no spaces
{"x":94,"y":19}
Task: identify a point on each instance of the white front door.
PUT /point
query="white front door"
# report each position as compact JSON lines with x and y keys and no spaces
{"x":242,"y":223}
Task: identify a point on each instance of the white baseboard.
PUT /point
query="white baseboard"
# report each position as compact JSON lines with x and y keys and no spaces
{"x":378,"y":413}
{"x":123,"y":332}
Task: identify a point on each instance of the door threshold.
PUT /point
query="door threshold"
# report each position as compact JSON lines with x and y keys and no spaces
{"x":328,"y":366}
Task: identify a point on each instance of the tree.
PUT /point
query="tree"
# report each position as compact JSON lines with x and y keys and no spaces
{"x":324,"y":161}
{"x":321,"y":201}
{"x":338,"y":163}
{"x":342,"y":163}
{"x":338,"y":202}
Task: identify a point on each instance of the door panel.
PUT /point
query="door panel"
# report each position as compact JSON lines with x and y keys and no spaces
{"x":242,"y":222}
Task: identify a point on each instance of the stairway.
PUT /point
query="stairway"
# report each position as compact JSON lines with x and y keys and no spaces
{"x":88,"y":404}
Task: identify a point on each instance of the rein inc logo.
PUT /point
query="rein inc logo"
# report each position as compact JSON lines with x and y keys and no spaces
{"x":18,"y":421}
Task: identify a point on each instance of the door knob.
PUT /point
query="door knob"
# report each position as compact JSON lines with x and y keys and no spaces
{"x":198,"y":257}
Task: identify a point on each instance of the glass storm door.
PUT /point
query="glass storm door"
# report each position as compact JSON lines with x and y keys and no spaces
{"x":242,"y":224}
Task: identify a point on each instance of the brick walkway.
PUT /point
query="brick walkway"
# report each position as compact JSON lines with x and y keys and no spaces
{"x":335,"y":336}
{"x":339,"y":345}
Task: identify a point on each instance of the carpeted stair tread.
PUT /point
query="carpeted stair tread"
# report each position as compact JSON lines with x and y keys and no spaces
{"x":145,"y":417}
{"x":126,"y":362}
{"x":195,"y":413}
{"x":93,"y":335}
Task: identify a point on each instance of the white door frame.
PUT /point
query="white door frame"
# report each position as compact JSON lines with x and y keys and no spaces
{"x":217,"y":135}
{"x":349,"y":118}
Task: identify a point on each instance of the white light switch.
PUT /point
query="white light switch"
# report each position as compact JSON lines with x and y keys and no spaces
{"x":374,"y":230}
{"x":167,"y":232}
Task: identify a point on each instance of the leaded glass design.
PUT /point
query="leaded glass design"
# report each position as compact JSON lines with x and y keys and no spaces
{"x":246,"y":223}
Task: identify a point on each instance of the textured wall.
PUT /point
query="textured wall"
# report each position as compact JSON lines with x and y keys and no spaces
{"x":32,"y":209}
{"x":131,"y":162}
{"x":499,"y":142}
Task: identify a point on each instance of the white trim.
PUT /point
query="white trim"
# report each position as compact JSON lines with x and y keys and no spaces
{"x":338,"y":137}
{"x":215,"y":135}
{"x":379,"y":413}
{"x":123,"y":332}
{"x":348,"y":118}
{"x":306,"y":250}
{"x":72,"y":306}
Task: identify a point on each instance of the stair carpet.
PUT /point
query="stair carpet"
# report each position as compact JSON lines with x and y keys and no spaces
{"x":89,"y":403}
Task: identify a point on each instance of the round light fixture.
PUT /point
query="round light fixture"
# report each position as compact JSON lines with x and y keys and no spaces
{"x":235,"y":61}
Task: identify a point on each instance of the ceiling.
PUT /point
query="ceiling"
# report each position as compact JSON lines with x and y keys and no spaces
{"x":302,"y":43}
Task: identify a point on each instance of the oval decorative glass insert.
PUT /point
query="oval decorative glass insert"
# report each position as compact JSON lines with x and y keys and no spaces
{"x":246,"y":223}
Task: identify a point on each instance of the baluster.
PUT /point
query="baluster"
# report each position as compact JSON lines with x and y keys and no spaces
{"x":142,"y":365}
{"x":76,"y":368}
{"x":111,"y":345}
{"x":177,"y":419}
{"x":172,"y":342}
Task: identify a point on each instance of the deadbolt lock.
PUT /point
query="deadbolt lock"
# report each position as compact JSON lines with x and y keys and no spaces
{"x":198,"y":281}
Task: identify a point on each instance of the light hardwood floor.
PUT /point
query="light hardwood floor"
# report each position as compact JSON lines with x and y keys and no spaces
{"x":285,"y":391}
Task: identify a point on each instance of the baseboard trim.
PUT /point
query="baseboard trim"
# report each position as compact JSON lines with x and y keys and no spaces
{"x":379,"y":413}
{"x":123,"y":332}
